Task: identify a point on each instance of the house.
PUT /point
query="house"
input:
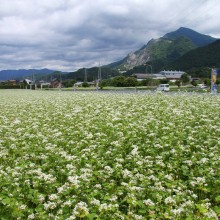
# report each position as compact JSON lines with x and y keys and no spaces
{"x":143,"y":76}
{"x":78,"y":84}
{"x":12,"y":82}
{"x":56,"y":83}
{"x":28,"y":82}
{"x":44,"y":83}
{"x":172,"y":75}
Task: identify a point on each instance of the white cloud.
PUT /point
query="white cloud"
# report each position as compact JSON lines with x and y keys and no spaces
{"x":70,"y":34}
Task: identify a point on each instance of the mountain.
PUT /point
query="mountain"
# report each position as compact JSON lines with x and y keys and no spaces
{"x":164,"y":50}
{"x":92,"y":74}
{"x":198,"y":39}
{"x":20,"y":74}
{"x":207,"y":56}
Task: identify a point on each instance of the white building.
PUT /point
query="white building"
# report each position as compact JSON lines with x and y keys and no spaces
{"x":172,"y":75}
{"x":143,"y":76}
{"x":28,"y":81}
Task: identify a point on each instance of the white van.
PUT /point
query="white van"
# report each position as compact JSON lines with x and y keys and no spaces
{"x":163,"y":87}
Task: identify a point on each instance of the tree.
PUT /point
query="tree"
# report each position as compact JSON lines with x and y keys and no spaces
{"x":207,"y":82}
{"x":218,"y":81}
{"x":118,"y":81}
{"x":69,"y":83}
{"x":178,"y":83}
{"x":155,"y":82}
{"x":105,"y":82}
{"x":194,"y":83}
{"x":146,"y":82}
{"x":185,"y":78}
{"x":164,"y":81}
{"x":85,"y":84}
{"x":130,"y":81}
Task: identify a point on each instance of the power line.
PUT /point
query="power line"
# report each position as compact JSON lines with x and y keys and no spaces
{"x":203,"y":12}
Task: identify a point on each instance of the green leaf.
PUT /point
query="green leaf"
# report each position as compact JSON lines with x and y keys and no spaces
{"x":189,"y":218}
{"x":140,"y":203}
{"x":91,"y":216}
{"x":142,"y":211}
{"x":217,"y":210}
{"x":39,"y":208}
{"x":217,"y":198}
{"x":7,"y":201}
{"x":202,"y":209}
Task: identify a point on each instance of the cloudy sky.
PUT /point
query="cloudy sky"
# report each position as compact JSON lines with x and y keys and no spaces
{"x":70,"y":34}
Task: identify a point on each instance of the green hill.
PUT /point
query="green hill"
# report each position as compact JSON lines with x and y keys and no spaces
{"x":164,"y":50}
{"x":207,"y":56}
{"x":198,"y":39}
{"x":92,"y":74}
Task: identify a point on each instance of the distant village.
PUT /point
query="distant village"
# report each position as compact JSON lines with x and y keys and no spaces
{"x":165,"y":76}
{"x":30,"y":84}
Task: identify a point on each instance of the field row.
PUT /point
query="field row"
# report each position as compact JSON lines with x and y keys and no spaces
{"x":91,"y":155}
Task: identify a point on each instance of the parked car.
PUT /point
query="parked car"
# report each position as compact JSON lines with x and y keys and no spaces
{"x":163,"y":87}
{"x":203,"y":86}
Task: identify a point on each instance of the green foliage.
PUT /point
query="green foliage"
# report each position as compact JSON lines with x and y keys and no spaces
{"x":118,"y":81}
{"x":218,"y":81}
{"x":149,"y":82}
{"x":92,"y":74}
{"x":197,"y":38}
{"x":164,"y":81}
{"x":208,"y":56}
{"x":136,"y":69}
{"x":146,"y":82}
{"x":130,"y":81}
{"x":171,"y":50}
{"x":178,"y":83}
{"x":121,"y":81}
{"x":9,"y":86}
{"x":207,"y":81}
{"x":85,"y":84}
{"x":194,"y":83}
{"x":167,"y":49}
{"x":163,"y":52}
{"x":185,"y":78}
{"x":109,"y":156}
{"x":106,"y":82}
{"x":200,"y":72}
{"x":68,"y":83}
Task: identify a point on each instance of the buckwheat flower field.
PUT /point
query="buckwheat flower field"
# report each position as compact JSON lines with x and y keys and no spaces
{"x":75,"y":155}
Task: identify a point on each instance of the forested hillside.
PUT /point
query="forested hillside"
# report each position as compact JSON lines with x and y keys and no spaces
{"x":208,"y":56}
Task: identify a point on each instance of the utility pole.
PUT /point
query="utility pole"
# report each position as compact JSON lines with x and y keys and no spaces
{"x":60,"y":84}
{"x":85,"y":76}
{"x":34,"y":83}
{"x":51,"y":79}
{"x":150,"y":73}
{"x":99,"y":73}
{"x":99,"y":78}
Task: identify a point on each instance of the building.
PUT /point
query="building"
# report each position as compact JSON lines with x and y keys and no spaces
{"x":143,"y":76}
{"x":171,"y":75}
{"x":44,"y":83}
{"x":12,"y":82}
{"x":28,"y":81}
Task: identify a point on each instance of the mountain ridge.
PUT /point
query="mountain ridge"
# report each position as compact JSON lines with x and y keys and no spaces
{"x":164,"y":50}
{"x":21,"y":73}
{"x":197,"y":38}
{"x":207,"y":56}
